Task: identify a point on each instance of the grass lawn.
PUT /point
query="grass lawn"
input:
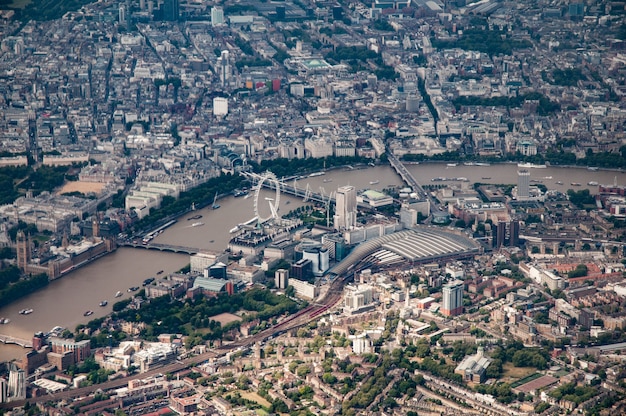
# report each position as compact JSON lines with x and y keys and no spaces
{"x":225,"y":318}
{"x":41,"y":238}
{"x":512,"y":373}
{"x":254,"y":397}
{"x":526,"y":380}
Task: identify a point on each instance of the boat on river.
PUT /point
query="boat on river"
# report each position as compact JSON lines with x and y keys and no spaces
{"x":26,"y":311}
{"x":88,"y":313}
{"x":531,"y":166}
{"x":118,"y":294}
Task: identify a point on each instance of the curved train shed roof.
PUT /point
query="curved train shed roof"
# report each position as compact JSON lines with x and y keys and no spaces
{"x":416,"y":245}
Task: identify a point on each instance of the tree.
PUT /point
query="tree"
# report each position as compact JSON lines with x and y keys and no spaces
{"x":290,"y":291}
{"x":579,"y":271}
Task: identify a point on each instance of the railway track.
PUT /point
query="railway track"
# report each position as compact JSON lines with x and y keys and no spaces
{"x":300,"y":318}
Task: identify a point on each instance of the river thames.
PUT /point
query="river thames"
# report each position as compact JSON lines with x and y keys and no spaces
{"x":64,"y":301}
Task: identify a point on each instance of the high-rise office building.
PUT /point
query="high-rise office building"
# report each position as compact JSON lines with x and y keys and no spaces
{"x":302,"y":270}
{"x":523,"y":184}
{"x":281,"y":278}
{"x":122,"y":16}
{"x":220,"y":106}
{"x":319,"y":257}
{"x":170,"y":10}
{"x":4,"y":391}
{"x":17,"y":384}
{"x":217,"y":16}
{"x":505,"y":232}
{"x":224,"y":68}
{"x":337,"y":12}
{"x":345,"y":208}
{"x":452,"y":299}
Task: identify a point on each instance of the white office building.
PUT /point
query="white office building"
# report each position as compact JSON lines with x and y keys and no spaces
{"x":220,"y":106}
{"x":358,"y":297}
{"x":217,"y":16}
{"x":281,"y":278}
{"x":17,"y":384}
{"x":304,"y":289}
{"x":523,"y":184}
{"x":319,"y":257}
{"x":224,"y":68}
{"x":361,"y":344}
{"x":345,"y":209}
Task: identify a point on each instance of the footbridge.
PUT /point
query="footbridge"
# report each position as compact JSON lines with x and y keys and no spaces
{"x":305,"y":193}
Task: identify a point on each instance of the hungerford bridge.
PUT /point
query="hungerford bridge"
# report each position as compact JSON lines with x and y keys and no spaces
{"x":306,"y":194}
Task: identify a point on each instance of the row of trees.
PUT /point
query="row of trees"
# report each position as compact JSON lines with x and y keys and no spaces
{"x":185,"y":317}
{"x":285,"y":167}
{"x":48,"y":9}
{"x":370,"y":389}
{"x":515,"y":352}
{"x":491,"y":42}
{"x":9,"y":275}
{"x":14,"y":178}
{"x":544,"y":105}
{"x":21,"y":287}
{"x":555,"y":156}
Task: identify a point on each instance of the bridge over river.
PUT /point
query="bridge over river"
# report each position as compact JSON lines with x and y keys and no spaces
{"x":160,"y":247}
